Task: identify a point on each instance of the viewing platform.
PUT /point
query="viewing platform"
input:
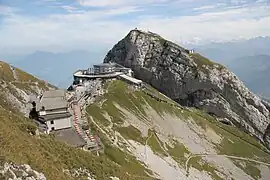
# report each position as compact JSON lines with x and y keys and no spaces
{"x":85,"y":74}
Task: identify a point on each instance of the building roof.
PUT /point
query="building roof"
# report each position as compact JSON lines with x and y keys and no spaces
{"x":111,"y":75}
{"x":70,"y":137}
{"x":131,"y":79}
{"x":50,"y":117}
{"x":105,"y":65}
{"x":54,"y":93}
{"x":53,"y":103}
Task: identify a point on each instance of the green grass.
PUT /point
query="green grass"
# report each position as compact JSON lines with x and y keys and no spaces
{"x":114,"y":113}
{"x":4,"y":102}
{"x":126,"y":161}
{"x":250,"y":168}
{"x":235,"y":142}
{"x":155,"y":92}
{"x":120,"y":94}
{"x":96,"y":113}
{"x":243,"y":146}
{"x":133,"y":101}
{"x":155,"y":143}
{"x":200,"y":165}
{"x":50,"y":156}
{"x":201,"y":61}
{"x":5,"y":72}
{"x":178,"y":152}
{"x":132,"y":133}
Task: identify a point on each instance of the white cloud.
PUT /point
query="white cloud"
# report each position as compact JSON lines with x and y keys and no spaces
{"x":6,"y":10}
{"x":209,"y":7}
{"x":204,"y":7}
{"x":106,"y":3}
{"x":216,"y":26}
{"x":87,"y":29}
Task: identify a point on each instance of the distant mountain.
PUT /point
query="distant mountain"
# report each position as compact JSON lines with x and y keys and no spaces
{"x":254,"y":71}
{"x":248,"y":59}
{"x":57,"y":68}
{"x":225,"y":52}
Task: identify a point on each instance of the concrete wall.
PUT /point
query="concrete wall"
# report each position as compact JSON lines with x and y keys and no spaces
{"x":59,"y":124}
{"x":54,"y":111}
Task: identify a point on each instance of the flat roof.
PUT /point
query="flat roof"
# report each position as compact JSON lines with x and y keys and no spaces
{"x":105,"y":65}
{"x":70,"y":137}
{"x":54,"y":93}
{"x":50,"y":117}
{"x":131,"y":79}
{"x":114,"y":74}
{"x":53,"y":103}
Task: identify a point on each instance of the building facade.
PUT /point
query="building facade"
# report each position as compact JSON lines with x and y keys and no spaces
{"x":57,"y":121}
{"x":105,"y":68}
{"x":53,"y":110}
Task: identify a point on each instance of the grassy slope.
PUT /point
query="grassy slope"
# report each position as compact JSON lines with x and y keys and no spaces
{"x":245,"y":146}
{"x":24,"y":80}
{"x":45,"y":154}
{"x":201,"y":61}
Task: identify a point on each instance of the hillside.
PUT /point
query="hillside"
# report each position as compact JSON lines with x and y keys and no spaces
{"x":16,"y":86}
{"x":193,"y":80}
{"x":146,"y":136}
{"x":195,"y":132}
{"x":48,"y":158}
{"x":163,"y":135}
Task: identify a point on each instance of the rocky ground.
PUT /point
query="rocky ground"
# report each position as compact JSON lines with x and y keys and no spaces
{"x":162,"y":138}
{"x":17,"y":87}
{"x":192,"y":80}
{"x":146,"y":135}
{"x":11,"y":171}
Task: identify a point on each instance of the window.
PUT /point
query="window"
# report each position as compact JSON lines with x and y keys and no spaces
{"x":52,"y":122}
{"x":53,"y":129}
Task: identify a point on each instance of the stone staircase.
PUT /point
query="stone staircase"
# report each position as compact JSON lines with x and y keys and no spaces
{"x":92,"y":142}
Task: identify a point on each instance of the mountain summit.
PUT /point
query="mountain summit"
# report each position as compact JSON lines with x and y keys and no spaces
{"x":143,"y":134}
{"x":192,"y":80}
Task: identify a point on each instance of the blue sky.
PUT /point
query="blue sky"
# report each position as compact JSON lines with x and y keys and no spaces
{"x":64,"y":25}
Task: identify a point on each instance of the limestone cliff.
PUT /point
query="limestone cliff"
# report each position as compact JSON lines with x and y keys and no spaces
{"x":192,"y":80}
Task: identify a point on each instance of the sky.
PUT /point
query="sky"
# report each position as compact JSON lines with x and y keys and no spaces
{"x":64,"y":25}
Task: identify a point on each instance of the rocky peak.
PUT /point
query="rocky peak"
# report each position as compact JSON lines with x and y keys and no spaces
{"x":192,"y":80}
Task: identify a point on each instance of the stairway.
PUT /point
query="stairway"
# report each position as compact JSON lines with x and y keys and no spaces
{"x":86,"y":135}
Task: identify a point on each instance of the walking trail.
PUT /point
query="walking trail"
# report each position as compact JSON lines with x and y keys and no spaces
{"x":222,"y":155}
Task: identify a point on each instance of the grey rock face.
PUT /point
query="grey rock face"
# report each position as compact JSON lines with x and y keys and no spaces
{"x":12,"y":171}
{"x":192,"y":80}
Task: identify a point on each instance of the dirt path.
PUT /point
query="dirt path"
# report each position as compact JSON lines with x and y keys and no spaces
{"x":13,"y":69}
{"x":222,"y":155}
{"x":146,"y":144}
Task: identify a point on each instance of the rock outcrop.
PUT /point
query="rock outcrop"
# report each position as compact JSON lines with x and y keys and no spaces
{"x":17,"y":88}
{"x":12,"y":171}
{"x":192,"y":80}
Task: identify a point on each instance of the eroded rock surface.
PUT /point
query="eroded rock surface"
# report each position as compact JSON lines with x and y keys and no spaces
{"x":192,"y":80}
{"x":12,"y":171}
